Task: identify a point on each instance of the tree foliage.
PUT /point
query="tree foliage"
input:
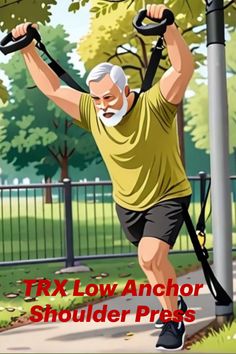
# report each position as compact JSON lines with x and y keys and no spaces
{"x":13,"y":12}
{"x":112,"y":36}
{"x":35,"y":130}
{"x":76,"y":5}
{"x":3,"y":92}
{"x":196,"y":107}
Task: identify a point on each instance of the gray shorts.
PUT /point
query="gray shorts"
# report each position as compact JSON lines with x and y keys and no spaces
{"x":163,"y":221}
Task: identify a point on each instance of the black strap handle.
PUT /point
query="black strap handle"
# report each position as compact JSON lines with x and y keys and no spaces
{"x":23,"y":41}
{"x":151,"y":29}
{"x":10,"y":45}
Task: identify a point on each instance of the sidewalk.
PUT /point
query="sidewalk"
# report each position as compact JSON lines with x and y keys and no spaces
{"x":108,"y":337}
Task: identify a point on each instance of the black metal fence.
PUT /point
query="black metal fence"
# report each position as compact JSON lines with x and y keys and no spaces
{"x":74,"y":221}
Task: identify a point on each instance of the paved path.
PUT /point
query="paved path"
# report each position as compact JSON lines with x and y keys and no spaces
{"x":107,"y":337}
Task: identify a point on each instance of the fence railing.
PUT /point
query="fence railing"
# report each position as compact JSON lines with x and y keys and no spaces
{"x":75,"y":221}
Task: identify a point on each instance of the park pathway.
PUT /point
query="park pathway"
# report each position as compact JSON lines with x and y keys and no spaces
{"x":92,"y":337}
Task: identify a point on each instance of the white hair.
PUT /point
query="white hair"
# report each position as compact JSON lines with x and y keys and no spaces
{"x":116,"y":73}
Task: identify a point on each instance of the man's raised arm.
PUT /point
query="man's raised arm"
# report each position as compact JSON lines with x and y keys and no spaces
{"x":175,"y":80}
{"x":45,"y":79}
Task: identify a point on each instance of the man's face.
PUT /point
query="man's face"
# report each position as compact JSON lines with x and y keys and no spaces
{"x":110,"y":103}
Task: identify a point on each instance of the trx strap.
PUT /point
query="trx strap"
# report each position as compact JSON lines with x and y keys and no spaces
{"x":9,"y":45}
{"x":219,"y":294}
{"x":151,"y":30}
{"x":198,"y":240}
{"x":152,"y":65}
{"x":61,"y":73}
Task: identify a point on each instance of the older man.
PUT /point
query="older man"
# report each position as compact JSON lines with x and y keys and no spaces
{"x":137,"y":140}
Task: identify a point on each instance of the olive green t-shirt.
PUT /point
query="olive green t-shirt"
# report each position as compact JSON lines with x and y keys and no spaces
{"x":141,"y":152}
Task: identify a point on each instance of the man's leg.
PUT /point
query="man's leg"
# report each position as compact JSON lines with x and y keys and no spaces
{"x":153,"y":259}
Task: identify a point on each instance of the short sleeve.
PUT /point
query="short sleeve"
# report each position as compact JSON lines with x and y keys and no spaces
{"x":163,"y":110}
{"x":86,"y":108}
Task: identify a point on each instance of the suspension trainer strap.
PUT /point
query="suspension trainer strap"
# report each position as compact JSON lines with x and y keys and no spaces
{"x":214,"y":286}
{"x":152,"y":65}
{"x":61,"y":73}
{"x":10,"y":45}
{"x":201,"y":224}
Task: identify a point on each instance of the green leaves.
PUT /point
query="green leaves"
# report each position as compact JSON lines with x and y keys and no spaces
{"x":108,"y":33}
{"x":41,"y":136}
{"x":75,"y":6}
{"x":112,"y":32}
{"x":231,"y":89}
{"x":196,"y":115}
{"x":27,"y":138}
{"x":105,"y":44}
{"x":25,"y":122}
{"x":230,"y":52}
{"x":13,"y":12}
{"x":95,"y":9}
{"x":230,"y":16}
{"x":3,"y":93}
{"x":104,"y":7}
{"x":196,"y":107}
{"x":34,"y":130}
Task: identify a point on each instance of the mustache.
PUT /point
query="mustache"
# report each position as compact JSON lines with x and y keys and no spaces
{"x":109,"y":110}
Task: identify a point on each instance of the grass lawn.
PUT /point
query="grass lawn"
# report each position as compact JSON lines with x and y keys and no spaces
{"x":119,"y":270}
{"x":222,"y":342}
{"x":29,"y":228}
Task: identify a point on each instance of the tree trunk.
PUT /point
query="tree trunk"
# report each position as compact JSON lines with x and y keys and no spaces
{"x":48,"y":191}
{"x":64,"y":168}
{"x":180,"y":125}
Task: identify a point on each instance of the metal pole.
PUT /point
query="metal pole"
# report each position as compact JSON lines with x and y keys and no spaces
{"x":219,"y":146}
{"x":68,"y":223}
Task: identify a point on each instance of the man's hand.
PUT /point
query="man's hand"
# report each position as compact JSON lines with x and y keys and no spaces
{"x":156,"y":11}
{"x":21,"y":30}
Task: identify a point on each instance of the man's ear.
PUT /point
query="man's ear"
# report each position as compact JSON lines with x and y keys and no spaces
{"x":127,"y":90}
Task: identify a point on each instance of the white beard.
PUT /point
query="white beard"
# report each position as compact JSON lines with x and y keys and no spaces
{"x":118,"y":115}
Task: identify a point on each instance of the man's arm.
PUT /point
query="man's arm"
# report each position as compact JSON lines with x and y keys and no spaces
{"x":46,"y":80}
{"x":175,"y":80}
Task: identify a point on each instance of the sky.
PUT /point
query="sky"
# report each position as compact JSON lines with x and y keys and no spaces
{"x":76,"y":24}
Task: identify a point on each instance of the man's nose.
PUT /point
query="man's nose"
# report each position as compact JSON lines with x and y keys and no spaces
{"x":103,"y":104}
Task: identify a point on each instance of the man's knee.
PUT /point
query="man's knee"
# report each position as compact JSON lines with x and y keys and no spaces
{"x":145,"y":263}
{"x":152,"y":252}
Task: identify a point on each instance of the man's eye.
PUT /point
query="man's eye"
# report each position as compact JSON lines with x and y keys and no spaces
{"x":108,"y":97}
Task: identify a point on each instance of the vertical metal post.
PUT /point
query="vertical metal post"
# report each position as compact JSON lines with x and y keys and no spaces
{"x":68,"y":223}
{"x":219,"y":147}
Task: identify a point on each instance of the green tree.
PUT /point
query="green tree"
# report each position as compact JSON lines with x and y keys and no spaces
{"x":196,"y":107}
{"x":3,"y":92}
{"x":113,"y":38}
{"x":13,"y":12}
{"x":34,"y":129}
